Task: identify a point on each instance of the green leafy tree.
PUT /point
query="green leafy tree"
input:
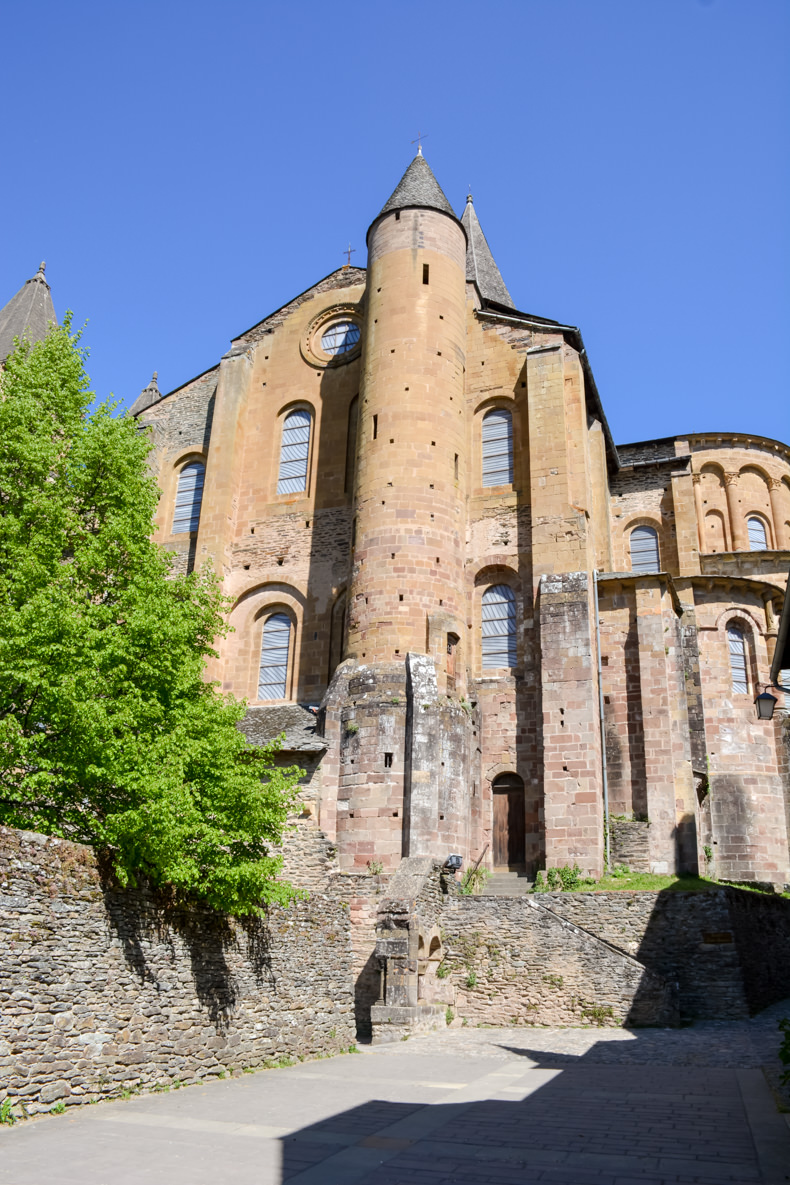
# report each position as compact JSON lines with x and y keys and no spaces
{"x":109,"y":734}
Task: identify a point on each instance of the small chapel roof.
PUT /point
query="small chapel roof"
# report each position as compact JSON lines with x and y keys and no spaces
{"x":480,"y":266}
{"x":418,"y":188}
{"x":27,"y":314}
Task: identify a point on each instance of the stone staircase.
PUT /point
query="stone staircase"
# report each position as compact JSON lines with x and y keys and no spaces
{"x":507,"y":884}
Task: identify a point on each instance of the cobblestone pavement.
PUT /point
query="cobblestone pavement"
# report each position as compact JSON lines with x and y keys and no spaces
{"x":464,"y":1107}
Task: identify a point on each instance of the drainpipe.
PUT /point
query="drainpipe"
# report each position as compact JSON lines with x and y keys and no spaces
{"x":606,"y":839}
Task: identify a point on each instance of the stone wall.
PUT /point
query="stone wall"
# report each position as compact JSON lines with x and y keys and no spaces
{"x":728,"y":950}
{"x":103,"y":990}
{"x":514,"y":961}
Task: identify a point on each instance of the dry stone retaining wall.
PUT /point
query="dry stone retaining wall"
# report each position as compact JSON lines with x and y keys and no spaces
{"x":102,"y":990}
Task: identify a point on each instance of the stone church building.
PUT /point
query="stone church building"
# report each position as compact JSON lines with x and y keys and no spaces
{"x":480,"y":623}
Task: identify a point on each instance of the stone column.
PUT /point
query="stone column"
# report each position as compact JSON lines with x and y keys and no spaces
{"x":686,"y":522}
{"x":697,"y":482}
{"x":781,"y":534}
{"x":738,"y":533}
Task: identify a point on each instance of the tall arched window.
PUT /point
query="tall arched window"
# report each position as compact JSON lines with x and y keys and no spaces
{"x":275,"y":648}
{"x":189,"y":497}
{"x":497,"y":447}
{"x":644,"y":550}
{"x":499,"y":627}
{"x":294,"y":452}
{"x":758,"y":540}
{"x":737,"y":644}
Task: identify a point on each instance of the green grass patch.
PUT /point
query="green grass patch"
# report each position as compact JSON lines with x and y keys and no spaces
{"x":628,"y":881}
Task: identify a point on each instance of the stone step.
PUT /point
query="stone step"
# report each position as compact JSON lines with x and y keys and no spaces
{"x":507,"y":884}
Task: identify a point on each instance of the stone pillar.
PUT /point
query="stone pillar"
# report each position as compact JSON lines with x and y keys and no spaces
{"x":571,"y":728}
{"x":684,"y":503}
{"x":781,"y":533}
{"x":668,"y":772}
{"x":738,"y":533}
{"x":696,"y":479}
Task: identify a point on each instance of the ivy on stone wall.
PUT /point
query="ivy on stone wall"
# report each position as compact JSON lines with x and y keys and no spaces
{"x":109,"y":734}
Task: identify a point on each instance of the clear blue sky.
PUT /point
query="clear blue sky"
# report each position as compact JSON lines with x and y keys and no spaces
{"x":185,"y":168}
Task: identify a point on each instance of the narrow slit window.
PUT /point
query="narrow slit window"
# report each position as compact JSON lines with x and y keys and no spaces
{"x":455,"y":466}
{"x":275,"y":648}
{"x":498,"y":448}
{"x":294,"y":453}
{"x":644,"y":550}
{"x":388,"y":761}
{"x":499,"y":627}
{"x":737,"y":645}
{"x":189,"y":496}
{"x":426,"y":271}
{"x":758,"y":540}
{"x":351,"y":444}
{"x":375,"y":427}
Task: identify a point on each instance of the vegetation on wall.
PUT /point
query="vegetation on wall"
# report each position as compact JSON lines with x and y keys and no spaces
{"x":109,"y":734}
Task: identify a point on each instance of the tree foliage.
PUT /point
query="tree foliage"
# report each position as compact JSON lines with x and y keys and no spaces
{"x":109,"y":734}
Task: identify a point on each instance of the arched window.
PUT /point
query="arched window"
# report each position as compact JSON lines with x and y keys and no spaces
{"x":497,"y":447}
{"x":644,"y":550}
{"x":737,"y":644}
{"x":275,"y":647}
{"x":757,"y":537}
{"x":294,"y":453}
{"x":499,"y":627}
{"x":189,"y":497}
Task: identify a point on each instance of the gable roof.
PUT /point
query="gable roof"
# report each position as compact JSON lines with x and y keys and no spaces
{"x":480,"y":266}
{"x":28,"y":314}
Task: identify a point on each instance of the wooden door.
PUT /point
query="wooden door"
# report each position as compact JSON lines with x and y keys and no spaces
{"x":509,"y":832}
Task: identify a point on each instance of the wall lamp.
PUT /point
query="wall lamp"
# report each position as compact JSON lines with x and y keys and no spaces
{"x":765,"y":704}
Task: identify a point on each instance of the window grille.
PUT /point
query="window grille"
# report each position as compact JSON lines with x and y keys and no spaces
{"x":644,"y":550}
{"x":737,"y":645}
{"x":189,"y":496}
{"x":757,"y":536}
{"x":294,"y":453}
{"x":499,"y":627}
{"x":275,"y":646}
{"x":497,"y":448}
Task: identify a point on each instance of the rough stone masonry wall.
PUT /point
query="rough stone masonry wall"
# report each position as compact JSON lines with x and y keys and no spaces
{"x":102,"y":990}
{"x":513,"y":961}
{"x":728,"y":949}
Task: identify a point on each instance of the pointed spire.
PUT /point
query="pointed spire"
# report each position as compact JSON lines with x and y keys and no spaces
{"x":480,"y":266}
{"x":418,"y":187}
{"x":147,"y":397}
{"x":28,"y":314}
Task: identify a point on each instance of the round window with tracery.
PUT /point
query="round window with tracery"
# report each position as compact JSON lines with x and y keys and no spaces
{"x":340,"y":338}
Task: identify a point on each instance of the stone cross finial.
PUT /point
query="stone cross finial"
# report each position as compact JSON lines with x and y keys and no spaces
{"x":420,"y":137}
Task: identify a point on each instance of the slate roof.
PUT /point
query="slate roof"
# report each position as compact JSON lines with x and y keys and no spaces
{"x":480,"y":266}
{"x":299,"y":725}
{"x":28,"y":314}
{"x":418,"y":187}
{"x":148,"y":396}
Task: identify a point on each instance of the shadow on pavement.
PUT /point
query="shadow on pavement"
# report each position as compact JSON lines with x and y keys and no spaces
{"x":569,"y":1120}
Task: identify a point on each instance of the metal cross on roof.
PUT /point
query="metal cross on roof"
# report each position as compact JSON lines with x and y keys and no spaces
{"x":349,"y":251}
{"x":420,"y":137}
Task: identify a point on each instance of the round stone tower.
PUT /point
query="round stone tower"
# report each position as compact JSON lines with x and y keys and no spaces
{"x":408,"y":538}
{"x":405,"y":738}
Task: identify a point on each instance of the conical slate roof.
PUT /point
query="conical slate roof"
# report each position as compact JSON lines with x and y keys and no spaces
{"x":28,"y":314}
{"x":480,"y":266}
{"x":147,"y":397}
{"x":418,"y":187}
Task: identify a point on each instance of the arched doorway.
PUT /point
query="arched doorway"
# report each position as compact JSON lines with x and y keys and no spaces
{"x":508,"y":830}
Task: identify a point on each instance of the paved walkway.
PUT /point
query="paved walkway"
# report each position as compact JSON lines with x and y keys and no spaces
{"x":467,"y":1107}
